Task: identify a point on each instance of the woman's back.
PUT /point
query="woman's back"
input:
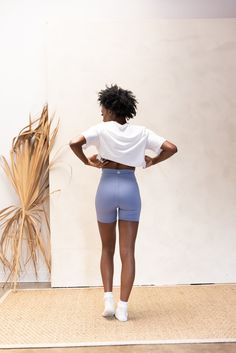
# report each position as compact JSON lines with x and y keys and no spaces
{"x":122,"y":143}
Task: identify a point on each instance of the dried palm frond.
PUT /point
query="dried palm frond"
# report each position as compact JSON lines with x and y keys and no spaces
{"x":28,"y":172}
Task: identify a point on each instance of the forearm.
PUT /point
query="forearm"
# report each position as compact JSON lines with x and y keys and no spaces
{"x":162,"y":156}
{"x":78,"y":151}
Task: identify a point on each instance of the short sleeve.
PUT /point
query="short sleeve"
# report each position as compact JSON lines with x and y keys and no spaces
{"x":92,"y":136}
{"x":154,"y":141}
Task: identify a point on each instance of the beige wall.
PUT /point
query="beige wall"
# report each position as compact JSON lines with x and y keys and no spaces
{"x":187,"y":68}
{"x":183,"y":73}
{"x":22,"y":92}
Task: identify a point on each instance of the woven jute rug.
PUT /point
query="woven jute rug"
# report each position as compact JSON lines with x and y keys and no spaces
{"x":69,"y":317}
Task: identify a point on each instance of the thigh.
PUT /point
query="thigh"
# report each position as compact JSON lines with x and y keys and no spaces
{"x":108,"y":235}
{"x":127,"y":235}
{"x":129,"y":199}
{"x":106,"y":200}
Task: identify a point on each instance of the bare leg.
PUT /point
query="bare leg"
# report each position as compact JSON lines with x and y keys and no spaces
{"x":108,"y":238}
{"x":127,"y":236}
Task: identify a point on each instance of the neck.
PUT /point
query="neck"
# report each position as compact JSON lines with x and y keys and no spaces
{"x":121,"y":120}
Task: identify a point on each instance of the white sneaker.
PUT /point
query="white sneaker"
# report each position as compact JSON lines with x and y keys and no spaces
{"x":121,"y":313}
{"x":109,"y":308}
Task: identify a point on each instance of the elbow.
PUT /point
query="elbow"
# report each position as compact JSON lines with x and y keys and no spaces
{"x":71,"y":144}
{"x":75,"y":145}
{"x":169,"y":147}
{"x":77,"y":142}
{"x":175,"y":149}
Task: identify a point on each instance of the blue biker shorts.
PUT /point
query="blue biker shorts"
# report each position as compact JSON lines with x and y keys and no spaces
{"x":118,"y":196}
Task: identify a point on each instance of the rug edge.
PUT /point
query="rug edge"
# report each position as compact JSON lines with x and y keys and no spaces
{"x":119,"y":343}
{"x":117,"y":287}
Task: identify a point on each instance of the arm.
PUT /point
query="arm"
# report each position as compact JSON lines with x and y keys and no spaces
{"x":168,"y":150}
{"x":76,"y":146}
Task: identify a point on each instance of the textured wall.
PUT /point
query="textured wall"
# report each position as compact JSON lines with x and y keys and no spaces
{"x":22,"y":88}
{"x":183,"y":73}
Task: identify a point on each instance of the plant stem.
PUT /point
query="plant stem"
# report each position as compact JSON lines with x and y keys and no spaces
{"x":18,"y":249}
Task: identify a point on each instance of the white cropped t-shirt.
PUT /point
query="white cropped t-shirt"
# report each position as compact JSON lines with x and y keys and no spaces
{"x":124,"y":144}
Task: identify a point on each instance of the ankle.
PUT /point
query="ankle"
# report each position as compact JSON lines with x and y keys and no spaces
{"x":108,"y":295}
{"x":122,"y":303}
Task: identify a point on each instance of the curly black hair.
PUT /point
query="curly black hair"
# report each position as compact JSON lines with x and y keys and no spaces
{"x":120,"y":101}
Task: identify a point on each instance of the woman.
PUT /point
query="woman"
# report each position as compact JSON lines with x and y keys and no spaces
{"x":121,"y":147}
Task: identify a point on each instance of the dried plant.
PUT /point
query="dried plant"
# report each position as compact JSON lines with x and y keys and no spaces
{"x":28,"y":172}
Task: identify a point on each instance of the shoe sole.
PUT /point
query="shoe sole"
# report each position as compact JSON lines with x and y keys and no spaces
{"x":120,"y":319}
{"x":108,"y":313}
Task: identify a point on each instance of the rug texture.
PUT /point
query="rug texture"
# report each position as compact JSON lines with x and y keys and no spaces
{"x":69,"y":317}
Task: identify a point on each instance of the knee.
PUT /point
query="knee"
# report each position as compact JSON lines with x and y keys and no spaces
{"x":108,"y":251}
{"x":127,"y":254}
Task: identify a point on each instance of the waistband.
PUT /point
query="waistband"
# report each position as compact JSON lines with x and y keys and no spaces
{"x":117,"y":171}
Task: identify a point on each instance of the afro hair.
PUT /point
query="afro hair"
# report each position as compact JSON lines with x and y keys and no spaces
{"x":120,"y":101}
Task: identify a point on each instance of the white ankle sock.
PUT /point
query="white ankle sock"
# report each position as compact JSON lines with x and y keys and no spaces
{"x":109,"y":309}
{"x":121,"y":312}
{"x":108,"y":295}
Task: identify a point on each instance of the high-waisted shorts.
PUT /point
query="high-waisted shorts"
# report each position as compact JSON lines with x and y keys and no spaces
{"x":118,"y":196}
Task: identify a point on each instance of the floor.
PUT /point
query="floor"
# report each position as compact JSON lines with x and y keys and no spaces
{"x":160,"y":348}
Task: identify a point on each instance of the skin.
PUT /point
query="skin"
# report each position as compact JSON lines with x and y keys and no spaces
{"x":127,"y":229}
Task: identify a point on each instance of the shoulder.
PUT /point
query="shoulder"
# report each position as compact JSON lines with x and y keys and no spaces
{"x":100,"y":126}
{"x":138,"y":128}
